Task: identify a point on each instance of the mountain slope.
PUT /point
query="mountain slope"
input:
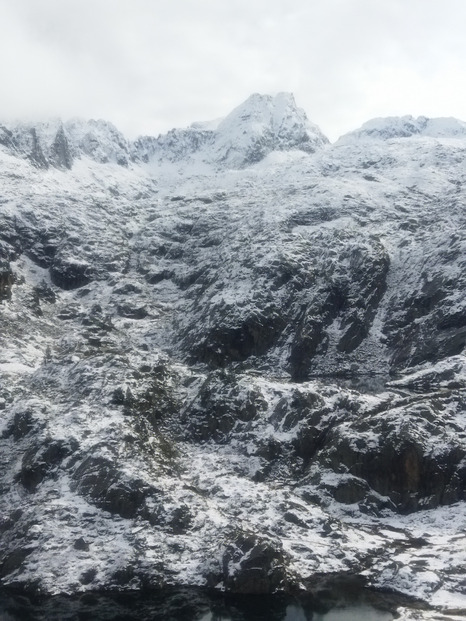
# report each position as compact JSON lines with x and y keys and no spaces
{"x":249,"y":359}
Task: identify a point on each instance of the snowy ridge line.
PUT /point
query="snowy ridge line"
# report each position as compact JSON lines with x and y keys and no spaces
{"x":261,"y":125}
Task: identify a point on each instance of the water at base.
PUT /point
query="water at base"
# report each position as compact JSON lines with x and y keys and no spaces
{"x":293,"y":612}
{"x":186,"y":605}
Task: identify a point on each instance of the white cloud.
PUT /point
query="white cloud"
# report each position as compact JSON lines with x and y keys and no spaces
{"x":150,"y":65}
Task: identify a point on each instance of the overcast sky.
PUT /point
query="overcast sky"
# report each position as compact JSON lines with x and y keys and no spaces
{"x":150,"y":65}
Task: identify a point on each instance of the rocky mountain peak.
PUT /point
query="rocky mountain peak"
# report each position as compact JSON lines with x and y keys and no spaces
{"x":265,"y":109}
{"x":57,"y":143}
{"x":255,"y":128}
{"x":99,"y":140}
{"x":260,"y":125}
{"x":265,"y":123}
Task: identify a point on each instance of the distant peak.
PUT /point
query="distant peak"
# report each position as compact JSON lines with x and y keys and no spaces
{"x":390,"y":127}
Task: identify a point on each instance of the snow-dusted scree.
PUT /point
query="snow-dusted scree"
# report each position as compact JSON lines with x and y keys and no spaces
{"x":233,"y":356}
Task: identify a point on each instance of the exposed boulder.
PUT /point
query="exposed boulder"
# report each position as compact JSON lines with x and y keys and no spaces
{"x":102,"y":483}
{"x":68,"y":273}
{"x":132,"y":311}
{"x":23,"y":422}
{"x":254,"y":565}
{"x":221,"y":404}
{"x":41,"y":461}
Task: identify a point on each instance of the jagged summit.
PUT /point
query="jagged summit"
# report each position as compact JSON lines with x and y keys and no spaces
{"x":251,"y":131}
{"x":57,"y":143}
{"x":258,"y":126}
{"x":263,"y":124}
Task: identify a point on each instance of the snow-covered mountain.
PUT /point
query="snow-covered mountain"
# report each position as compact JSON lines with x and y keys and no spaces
{"x":254,"y":129}
{"x":58,"y":144}
{"x":407,"y":126}
{"x":233,"y":356}
{"x":260,"y":125}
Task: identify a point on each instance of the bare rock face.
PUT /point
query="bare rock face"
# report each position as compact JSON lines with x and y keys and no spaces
{"x":330,"y":283}
{"x":426,"y":326}
{"x":99,"y":479}
{"x":401,"y":463}
{"x":60,"y":155}
{"x":241,"y":366}
{"x":68,"y":273}
{"x":255,"y":566}
{"x":41,"y":460}
{"x":6,"y":280}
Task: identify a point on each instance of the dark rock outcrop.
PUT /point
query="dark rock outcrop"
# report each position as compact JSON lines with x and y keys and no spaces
{"x":68,"y":273}
{"x":36,"y":155}
{"x":6,"y":280}
{"x":60,"y":152}
{"x":99,"y":479}
{"x":395,"y":454}
{"x":221,"y":404}
{"x":41,"y":460}
{"x":254,"y":565}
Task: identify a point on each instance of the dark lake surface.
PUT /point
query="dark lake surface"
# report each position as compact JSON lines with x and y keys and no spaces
{"x":190,"y":605}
